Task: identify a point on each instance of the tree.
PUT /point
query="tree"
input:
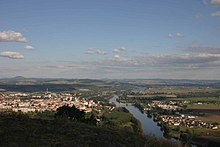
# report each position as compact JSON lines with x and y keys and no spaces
{"x":92,"y":120}
{"x":184,"y":106}
{"x":71,"y":113}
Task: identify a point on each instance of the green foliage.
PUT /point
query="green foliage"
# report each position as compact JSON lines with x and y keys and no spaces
{"x":42,"y":115}
{"x":20,"y":130}
{"x":184,"y":106}
{"x":166,"y":129}
{"x":91,"y":119}
{"x":121,"y":118}
{"x":71,"y":113}
{"x":74,"y":114}
{"x":140,"y":107}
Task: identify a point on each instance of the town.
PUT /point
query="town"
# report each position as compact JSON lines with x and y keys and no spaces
{"x":173,"y":114}
{"x":40,"y":102}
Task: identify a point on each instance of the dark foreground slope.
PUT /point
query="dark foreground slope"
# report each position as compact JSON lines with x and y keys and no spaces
{"x":19,"y":130}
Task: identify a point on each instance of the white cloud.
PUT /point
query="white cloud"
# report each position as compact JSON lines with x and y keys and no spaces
{"x":117,"y":56}
{"x":176,"y":35}
{"x":173,"y":61}
{"x":90,"y":51}
{"x":215,"y":2}
{"x":28,"y":47}
{"x":154,"y":66}
{"x":186,"y":59}
{"x":101,"y":52}
{"x":193,"y":66}
{"x":116,"y":50}
{"x":197,"y":48}
{"x":61,"y":66}
{"x":11,"y":36}
{"x":217,"y":13}
{"x":121,"y":49}
{"x":12,"y":55}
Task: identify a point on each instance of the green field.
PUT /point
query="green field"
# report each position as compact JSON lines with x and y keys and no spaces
{"x":204,"y":106}
{"x":120,"y":117}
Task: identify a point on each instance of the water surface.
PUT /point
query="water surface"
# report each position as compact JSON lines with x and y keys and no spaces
{"x":148,"y":125}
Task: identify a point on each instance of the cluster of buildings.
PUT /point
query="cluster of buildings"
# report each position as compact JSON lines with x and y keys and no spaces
{"x":178,"y":119}
{"x":160,"y":104}
{"x":39,"y":102}
{"x":187,"y":121}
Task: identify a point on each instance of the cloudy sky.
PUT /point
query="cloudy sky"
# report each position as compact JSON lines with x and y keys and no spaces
{"x":110,"y":39}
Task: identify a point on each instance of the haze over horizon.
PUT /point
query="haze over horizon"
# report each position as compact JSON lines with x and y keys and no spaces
{"x":114,"y":39}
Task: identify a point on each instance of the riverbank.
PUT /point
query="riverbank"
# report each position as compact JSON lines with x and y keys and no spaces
{"x":194,"y":135}
{"x":149,"y":126}
{"x":122,"y":119}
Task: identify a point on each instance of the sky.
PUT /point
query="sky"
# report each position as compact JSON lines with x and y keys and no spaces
{"x":114,"y":39}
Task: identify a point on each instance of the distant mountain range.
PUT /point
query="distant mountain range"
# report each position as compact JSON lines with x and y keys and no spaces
{"x":20,"y":80}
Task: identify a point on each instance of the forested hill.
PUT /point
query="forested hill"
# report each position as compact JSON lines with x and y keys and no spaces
{"x":20,"y":130}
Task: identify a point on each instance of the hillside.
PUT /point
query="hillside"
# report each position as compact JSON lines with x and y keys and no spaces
{"x":20,"y":130}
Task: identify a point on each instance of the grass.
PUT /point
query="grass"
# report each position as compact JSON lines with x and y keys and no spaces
{"x":120,"y":117}
{"x":182,"y":89}
{"x":200,"y":136}
{"x":200,"y":99}
{"x":210,"y":117}
{"x":204,"y":106}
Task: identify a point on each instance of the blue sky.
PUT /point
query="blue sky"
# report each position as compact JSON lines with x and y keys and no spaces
{"x":110,"y":38}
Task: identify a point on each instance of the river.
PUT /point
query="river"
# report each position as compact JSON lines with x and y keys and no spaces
{"x":149,"y":126}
